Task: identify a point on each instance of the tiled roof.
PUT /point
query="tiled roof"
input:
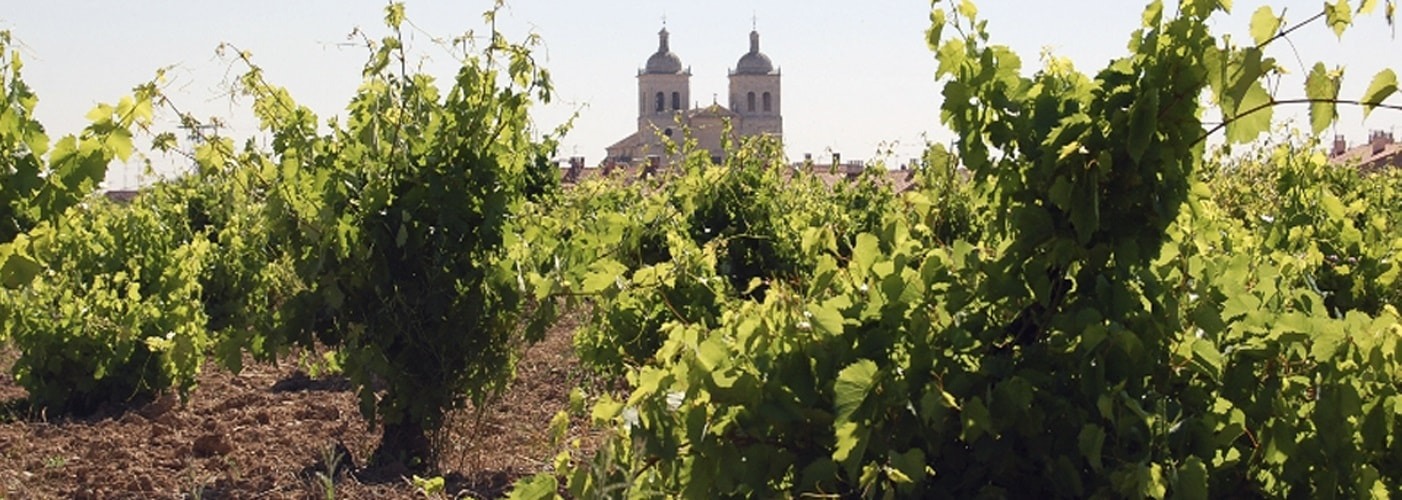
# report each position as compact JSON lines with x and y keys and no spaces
{"x":898,"y":180}
{"x":1369,"y":156}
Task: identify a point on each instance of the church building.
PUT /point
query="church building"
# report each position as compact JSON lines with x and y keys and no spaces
{"x":665,"y":110}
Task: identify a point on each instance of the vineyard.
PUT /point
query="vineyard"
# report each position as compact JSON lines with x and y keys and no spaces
{"x":1097,"y":292}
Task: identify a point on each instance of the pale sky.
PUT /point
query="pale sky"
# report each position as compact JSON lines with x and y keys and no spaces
{"x":857,"y":76}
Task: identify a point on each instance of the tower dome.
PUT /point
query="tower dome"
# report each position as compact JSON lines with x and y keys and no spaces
{"x":664,"y":62}
{"x":754,"y":62}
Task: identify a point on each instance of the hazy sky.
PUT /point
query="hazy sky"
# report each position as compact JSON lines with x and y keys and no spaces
{"x":857,"y":76}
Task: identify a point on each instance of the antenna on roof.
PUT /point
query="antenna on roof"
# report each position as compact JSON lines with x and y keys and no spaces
{"x":754,"y":21}
{"x":664,"y":20}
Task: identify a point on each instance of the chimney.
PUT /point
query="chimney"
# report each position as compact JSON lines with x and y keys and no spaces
{"x":854,"y":168}
{"x":1379,"y":140}
{"x":576,"y":167}
{"x":1340,"y":146}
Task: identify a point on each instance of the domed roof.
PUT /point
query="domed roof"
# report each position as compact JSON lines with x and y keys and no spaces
{"x":664,"y":61}
{"x":754,"y":62}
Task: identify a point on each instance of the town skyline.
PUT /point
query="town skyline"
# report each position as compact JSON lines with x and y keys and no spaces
{"x":858,"y":78}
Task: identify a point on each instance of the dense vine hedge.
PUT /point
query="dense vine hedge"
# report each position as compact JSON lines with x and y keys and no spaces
{"x":1121,"y":321}
{"x":117,"y":313}
{"x":382,"y":237}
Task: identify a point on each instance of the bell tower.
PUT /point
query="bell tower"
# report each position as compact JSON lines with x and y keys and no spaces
{"x":755,"y":93}
{"x":664,"y":92}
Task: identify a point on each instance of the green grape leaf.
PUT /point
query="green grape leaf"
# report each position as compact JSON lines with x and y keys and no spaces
{"x":1085,"y":208}
{"x":851,"y":388}
{"x":1151,"y":482}
{"x":1192,"y":479}
{"x":911,"y":463}
{"x":602,"y":275}
{"x":932,"y":35}
{"x":1384,"y":85}
{"x":851,"y":444}
{"x":537,"y":487}
{"x":1326,"y":344}
{"x":968,"y":9}
{"x":1338,"y":16}
{"x":1251,"y":116}
{"x":951,"y":56}
{"x":977,"y":420}
{"x":605,"y":410}
{"x":1208,"y":358}
{"x":853,"y":385}
{"x":1322,"y":87}
{"x":1332,"y":206}
{"x":431,"y":486}
{"x":1264,"y":25}
{"x":712,"y":354}
{"x":16,"y":269}
{"x":1091,"y":441}
{"x":826,"y":317}
{"x":1153,"y":14}
{"x":1387,"y":278}
{"x":394,"y":14}
{"x":1143,"y":124}
{"x":865,"y":252}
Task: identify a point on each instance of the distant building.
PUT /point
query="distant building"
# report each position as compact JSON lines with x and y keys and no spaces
{"x":1381,"y":151}
{"x":122,"y":196}
{"x":664,"y":109}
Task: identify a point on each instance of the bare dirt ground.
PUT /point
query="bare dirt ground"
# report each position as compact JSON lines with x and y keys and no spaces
{"x":273,"y":432}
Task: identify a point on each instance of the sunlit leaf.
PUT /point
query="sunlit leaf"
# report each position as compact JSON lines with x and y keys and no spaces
{"x":536,"y":487}
{"x":1383,"y":86}
{"x":852,"y":386}
{"x":1322,"y":87}
{"x":1339,"y":16}
{"x":827,"y":317}
{"x":865,"y":252}
{"x":1252,"y":115}
{"x":1264,"y":25}
{"x":968,"y":9}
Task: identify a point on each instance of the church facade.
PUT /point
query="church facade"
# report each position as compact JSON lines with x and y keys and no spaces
{"x":665,"y":112}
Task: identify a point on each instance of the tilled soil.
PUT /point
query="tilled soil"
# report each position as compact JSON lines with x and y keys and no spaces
{"x":274,"y":432}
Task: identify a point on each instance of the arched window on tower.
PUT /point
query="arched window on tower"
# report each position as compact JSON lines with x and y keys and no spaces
{"x":750,"y":101}
{"x":767,"y":106}
{"x":676,"y":100}
{"x":661,"y":100}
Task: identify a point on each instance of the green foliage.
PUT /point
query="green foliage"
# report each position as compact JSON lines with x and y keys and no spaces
{"x":1124,"y":322}
{"x":1338,"y":227}
{"x":39,"y":179}
{"x":116,"y":313}
{"x":652,"y":256}
{"x":387,"y":232}
{"x":102,"y":301}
